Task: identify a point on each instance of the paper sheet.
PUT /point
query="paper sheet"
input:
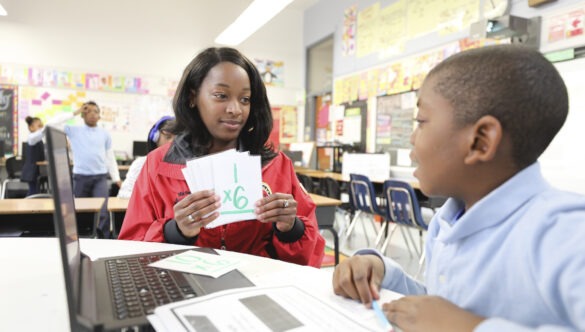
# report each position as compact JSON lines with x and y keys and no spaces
{"x":280,"y":308}
{"x":198,"y":263}
{"x":235,"y":176}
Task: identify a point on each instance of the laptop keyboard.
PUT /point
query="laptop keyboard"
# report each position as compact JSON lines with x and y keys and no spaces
{"x":137,"y":288}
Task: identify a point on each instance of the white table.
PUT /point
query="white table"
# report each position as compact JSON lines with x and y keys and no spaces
{"x":33,"y":292}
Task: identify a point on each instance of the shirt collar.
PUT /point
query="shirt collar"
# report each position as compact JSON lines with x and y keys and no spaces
{"x":492,"y":209}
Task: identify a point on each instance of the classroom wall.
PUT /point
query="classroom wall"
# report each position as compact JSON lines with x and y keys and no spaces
{"x":326,"y":18}
{"x":154,"y":39}
{"x":563,"y":161}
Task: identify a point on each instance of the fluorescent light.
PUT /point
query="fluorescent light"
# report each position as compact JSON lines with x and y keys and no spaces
{"x":2,"y":11}
{"x":252,"y":18}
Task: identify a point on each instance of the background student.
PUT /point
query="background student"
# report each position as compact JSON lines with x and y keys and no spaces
{"x":159,"y":134}
{"x":33,"y":154}
{"x":506,"y":251}
{"x":93,"y":157}
{"x":221,"y":104}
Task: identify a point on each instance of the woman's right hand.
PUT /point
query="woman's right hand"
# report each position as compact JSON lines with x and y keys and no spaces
{"x":195,"y":211}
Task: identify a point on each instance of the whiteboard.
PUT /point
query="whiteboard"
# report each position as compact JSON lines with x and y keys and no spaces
{"x":127,"y":117}
{"x":564,"y":160}
{"x":376,"y":166}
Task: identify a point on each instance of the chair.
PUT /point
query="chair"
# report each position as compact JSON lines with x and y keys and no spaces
{"x":14,"y":171}
{"x":306,"y":181}
{"x":364,"y":199}
{"x":404,"y":210}
{"x":40,"y":195}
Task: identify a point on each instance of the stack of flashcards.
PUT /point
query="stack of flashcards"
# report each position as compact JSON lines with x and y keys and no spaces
{"x":235,"y":176}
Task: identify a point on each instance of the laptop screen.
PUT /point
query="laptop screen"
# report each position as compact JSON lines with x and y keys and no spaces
{"x":64,"y":215}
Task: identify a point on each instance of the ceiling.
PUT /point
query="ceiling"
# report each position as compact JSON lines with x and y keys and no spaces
{"x":109,"y":31}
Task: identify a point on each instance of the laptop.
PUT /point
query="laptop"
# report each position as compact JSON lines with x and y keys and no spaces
{"x":115,"y":294}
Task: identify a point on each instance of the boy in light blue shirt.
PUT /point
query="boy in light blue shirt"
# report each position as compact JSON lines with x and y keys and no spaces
{"x":507,"y":251}
{"x":93,"y":157}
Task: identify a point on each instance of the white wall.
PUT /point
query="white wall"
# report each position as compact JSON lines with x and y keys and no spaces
{"x":143,"y":38}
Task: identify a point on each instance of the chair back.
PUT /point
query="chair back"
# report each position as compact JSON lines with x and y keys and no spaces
{"x":403,"y":206}
{"x":330,"y":187}
{"x":39,"y":195}
{"x":14,"y":167}
{"x":306,"y":181}
{"x":363,"y":195}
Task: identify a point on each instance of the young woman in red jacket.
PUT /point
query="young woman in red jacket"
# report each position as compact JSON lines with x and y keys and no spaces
{"x":221,"y":104}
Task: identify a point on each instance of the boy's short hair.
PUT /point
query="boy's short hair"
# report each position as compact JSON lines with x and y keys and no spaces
{"x":93,"y":103}
{"x":514,"y":84}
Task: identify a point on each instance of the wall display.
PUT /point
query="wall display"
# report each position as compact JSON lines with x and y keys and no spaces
{"x":8,"y":118}
{"x":394,"y":121}
{"x":127,"y":117}
{"x":288,"y":124}
{"x":272,"y":72}
{"x":562,"y":29}
{"x":349,"y":31}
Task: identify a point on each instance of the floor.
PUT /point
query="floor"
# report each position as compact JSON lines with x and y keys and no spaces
{"x":366,"y":231}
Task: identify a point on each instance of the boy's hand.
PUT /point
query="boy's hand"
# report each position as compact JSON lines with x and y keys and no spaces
{"x":80,"y":110}
{"x":429,"y":313}
{"x":359,"y":277}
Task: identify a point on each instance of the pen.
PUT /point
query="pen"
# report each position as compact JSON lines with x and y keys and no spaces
{"x":381,"y":317}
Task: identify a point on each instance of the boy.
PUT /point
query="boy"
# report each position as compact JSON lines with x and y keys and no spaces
{"x":507,"y":251}
{"x":93,"y":157}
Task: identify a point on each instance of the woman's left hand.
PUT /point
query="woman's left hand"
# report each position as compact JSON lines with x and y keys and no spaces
{"x":278,"y":208}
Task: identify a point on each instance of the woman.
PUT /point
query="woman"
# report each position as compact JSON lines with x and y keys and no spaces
{"x":34,"y":152}
{"x":221,"y":104}
{"x":159,"y":134}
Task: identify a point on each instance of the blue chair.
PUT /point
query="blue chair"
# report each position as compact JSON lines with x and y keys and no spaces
{"x":404,"y":210}
{"x":364,"y":200}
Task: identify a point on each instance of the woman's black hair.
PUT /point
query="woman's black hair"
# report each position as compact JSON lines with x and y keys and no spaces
{"x":30,"y":120}
{"x":254,"y":135}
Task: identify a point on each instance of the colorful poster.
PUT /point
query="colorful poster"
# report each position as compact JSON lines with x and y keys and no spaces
{"x":574,"y":26}
{"x":272,"y":72}
{"x":349,"y":31}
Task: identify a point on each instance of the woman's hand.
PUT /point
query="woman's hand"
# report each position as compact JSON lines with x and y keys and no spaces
{"x":278,"y":208}
{"x":191,"y":213}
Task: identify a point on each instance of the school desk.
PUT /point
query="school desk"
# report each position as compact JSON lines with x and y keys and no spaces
{"x":34,"y":217}
{"x":325,"y":212}
{"x":33,"y":288}
{"x":431,"y":202}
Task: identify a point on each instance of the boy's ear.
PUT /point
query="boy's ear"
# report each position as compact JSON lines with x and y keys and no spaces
{"x":487,"y":136}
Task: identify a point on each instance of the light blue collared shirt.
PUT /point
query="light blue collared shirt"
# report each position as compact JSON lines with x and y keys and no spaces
{"x":89,"y":146}
{"x":516,"y":257}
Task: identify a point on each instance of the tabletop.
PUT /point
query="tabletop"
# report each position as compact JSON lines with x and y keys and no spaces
{"x":46,"y":205}
{"x":33,"y":293}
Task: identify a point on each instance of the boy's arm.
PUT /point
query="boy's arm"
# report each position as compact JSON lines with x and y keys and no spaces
{"x":113,"y":167}
{"x":395,"y":278}
{"x":56,"y":122}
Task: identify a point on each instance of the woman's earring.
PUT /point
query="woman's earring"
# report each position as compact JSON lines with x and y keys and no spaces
{"x":192,"y":105}
{"x":251,"y":129}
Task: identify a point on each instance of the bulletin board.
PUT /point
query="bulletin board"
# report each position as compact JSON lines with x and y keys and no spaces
{"x":127,"y":117}
{"x":394,"y":124}
{"x":8,"y":116}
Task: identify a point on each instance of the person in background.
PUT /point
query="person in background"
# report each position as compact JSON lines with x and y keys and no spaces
{"x":159,"y":134}
{"x":33,"y":154}
{"x":506,"y":251}
{"x":221,"y":104}
{"x":93,"y":157}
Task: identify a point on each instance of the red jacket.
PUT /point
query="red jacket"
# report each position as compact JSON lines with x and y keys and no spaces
{"x":161,"y":185}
